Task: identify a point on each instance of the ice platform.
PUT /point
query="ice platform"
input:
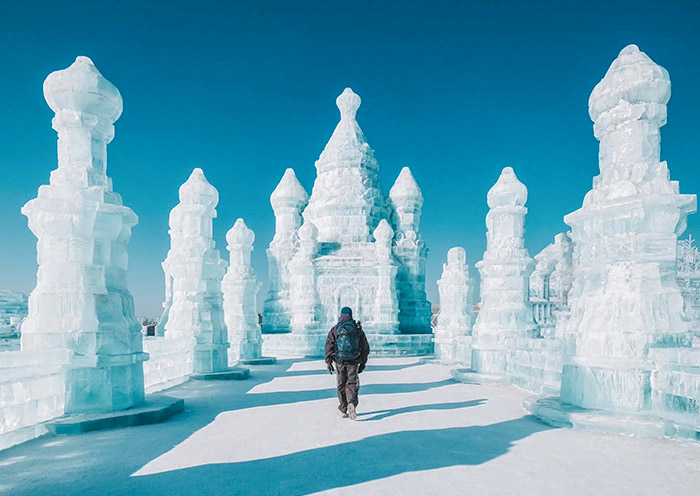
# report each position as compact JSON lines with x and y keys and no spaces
{"x":552,"y":411}
{"x":156,"y":409}
{"x":259,"y":361}
{"x":232,"y":374}
{"x":312,"y":345}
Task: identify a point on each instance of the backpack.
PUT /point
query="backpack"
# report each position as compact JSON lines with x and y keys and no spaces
{"x":347,"y":342}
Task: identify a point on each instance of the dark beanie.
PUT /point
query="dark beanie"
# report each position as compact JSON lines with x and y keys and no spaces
{"x":346,"y":310}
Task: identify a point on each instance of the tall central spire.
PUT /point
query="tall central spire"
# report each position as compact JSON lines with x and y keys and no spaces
{"x":346,"y":202}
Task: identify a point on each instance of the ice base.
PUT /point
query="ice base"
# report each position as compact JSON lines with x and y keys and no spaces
{"x":311,"y":345}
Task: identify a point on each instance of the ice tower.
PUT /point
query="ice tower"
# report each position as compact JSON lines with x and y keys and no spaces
{"x":81,"y":302}
{"x":625,"y":299}
{"x":193,"y":274}
{"x":347,"y":245}
{"x":505,"y":312}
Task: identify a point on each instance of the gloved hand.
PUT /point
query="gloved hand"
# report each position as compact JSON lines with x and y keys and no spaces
{"x":329,"y":366}
{"x":361,"y":368}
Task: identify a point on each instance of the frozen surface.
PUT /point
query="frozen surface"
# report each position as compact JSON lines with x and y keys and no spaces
{"x":348,"y":244}
{"x":456,"y":316}
{"x":417,"y":433}
{"x":240,"y":288}
{"x":81,"y":301}
{"x":194,"y":270}
{"x":505,"y":312}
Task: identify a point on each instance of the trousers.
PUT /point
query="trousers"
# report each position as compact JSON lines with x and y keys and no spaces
{"x":348,"y":384}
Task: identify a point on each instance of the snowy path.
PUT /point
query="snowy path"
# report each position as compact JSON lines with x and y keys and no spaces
{"x":418,"y":433}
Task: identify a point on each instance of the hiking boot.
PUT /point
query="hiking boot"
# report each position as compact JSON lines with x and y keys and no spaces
{"x":351,"y":411}
{"x":342,"y":414}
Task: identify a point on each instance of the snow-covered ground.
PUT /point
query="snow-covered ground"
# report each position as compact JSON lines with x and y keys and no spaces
{"x":417,"y":433}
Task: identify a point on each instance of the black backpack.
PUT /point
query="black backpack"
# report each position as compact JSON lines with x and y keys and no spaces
{"x":347,"y":342}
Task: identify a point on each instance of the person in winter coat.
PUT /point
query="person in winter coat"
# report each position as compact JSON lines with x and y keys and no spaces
{"x":348,"y":349}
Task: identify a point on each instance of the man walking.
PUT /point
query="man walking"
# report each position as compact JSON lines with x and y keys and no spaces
{"x":347,"y":346}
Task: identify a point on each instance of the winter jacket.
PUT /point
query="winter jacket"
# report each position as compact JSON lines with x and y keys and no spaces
{"x":333,"y":335}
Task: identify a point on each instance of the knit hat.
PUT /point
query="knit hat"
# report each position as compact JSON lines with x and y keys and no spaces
{"x":346,"y":310}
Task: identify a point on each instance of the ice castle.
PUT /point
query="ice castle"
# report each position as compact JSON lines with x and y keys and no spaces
{"x":347,"y":245}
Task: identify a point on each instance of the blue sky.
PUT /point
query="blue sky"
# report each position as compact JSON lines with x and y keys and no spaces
{"x":454,"y":90}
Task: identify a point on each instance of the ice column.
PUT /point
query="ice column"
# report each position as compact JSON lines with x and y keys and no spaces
{"x":625,"y":299}
{"x":456,"y":316}
{"x":81,"y":301}
{"x":240,"y":289}
{"x":407,"y":200}
{"x":196,"y":270}
{"x":288,"y":200}
{"x":305,"y":302}
{"x":505,"y":311}
{"x":386,"y":304}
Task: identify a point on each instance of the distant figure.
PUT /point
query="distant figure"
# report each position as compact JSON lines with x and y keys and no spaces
{"x":347,"y":346}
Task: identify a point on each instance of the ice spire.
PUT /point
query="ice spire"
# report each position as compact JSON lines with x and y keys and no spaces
{"x":195,"y":271}
{"x":505,"y":311}
{"x":407,"y":200}
{"x":625,"y":300}
{"x":346,"y":203}
{"x":81,"y":301}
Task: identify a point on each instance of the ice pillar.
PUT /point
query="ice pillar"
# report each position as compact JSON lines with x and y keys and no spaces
{"x":196,"y":270}
{"x":625,"y":299}
{"x":407,"y":201}
{"x":240,"y":288}
{"x":305,"y":302}
{"x":81,"y":301}
{"x":386,"y":309}
{"x":456,"y":316}
{"x":505,"y":311}
{"x":288,"y":199}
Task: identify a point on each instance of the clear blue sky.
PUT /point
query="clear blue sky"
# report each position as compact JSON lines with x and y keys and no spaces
{"x":455,"y":90}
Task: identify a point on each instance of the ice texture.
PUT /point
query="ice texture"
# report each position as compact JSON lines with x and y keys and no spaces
{"x":347,"y":244}
{"x":240,"y":288}
{"x":193,"y":275}
{"x":505,"y":310}
{"x":625,"y":300}
{"x":456,"y":316}
{"x":81,"y":301}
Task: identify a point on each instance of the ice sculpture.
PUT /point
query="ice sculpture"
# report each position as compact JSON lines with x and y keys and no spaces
{"x":288,"y":200}
{"x":81,"y":301}
{"x":240,"y":288}
{"x":505,"y":311}
{"x":13,"y":309}
{"x":688,"y":277}
{"x":550,"y":283}
{"x":456,"y":316}
{"x":193,"y":272}
{"x":346,"y":245}
{"x":625,"y":299}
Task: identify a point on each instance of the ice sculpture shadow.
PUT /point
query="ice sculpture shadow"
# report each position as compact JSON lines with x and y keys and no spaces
{"x":382,"y":414}
{"x":81,"y":463}
{"x":371,"y":459}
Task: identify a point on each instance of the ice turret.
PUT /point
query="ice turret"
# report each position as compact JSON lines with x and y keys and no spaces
{"x":288,"y":200}
{"x":240,"y":289}
{"x":386,"y":305}
{"x":505,"y":312}
{"x":81,"y":302}
{"x":193,"y":271}
{"x":407,"y":201}
{"x":625,"y":300}
{"x":456,"y":316}
{"x":346,"y":203}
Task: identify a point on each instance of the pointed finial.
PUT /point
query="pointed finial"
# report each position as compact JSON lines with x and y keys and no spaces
{"x":456,"y":256}
{"x":348,"y":102}
{"x":383,"y":232}
{"x":240,"y":234}
{"x":508,"y":190}
{"x":81,"y":87}
{"x":289,"y":190}
{"x":405,"y":187}
{"x":198,"y":190}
